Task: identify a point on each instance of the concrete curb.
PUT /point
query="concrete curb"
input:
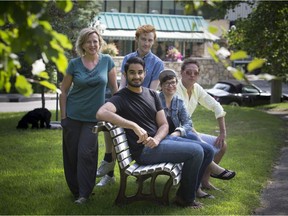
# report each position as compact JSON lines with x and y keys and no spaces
{"x":21,"y":98}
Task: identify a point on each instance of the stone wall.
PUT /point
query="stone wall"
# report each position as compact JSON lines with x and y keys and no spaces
{"x":210,"y":72}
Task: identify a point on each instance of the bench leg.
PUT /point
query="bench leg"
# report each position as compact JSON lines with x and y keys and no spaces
{"x":164,"y":197}
{"x":140,"y":195}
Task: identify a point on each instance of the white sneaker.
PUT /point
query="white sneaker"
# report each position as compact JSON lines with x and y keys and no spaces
{"x":81,"y":200}
{"x":106,"y":180}
{"x":104,"y":168}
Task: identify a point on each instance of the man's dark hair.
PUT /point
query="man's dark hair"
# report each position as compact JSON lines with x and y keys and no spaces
{"x":189,"y":61}
{"x":134,"y":60}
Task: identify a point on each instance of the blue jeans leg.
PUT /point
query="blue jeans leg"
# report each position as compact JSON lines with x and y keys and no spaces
{"x":175,"y":151}
{"x":208,"y":155}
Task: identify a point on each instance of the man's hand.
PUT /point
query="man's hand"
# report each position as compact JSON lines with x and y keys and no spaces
{"x":151,"y":142}
{"x":220,"y":140}
{"x":141,"y":133}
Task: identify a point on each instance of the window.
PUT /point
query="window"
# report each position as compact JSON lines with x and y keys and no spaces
{"x":249,"y":89}
{"x":168,"y":7}
{"x":112,"y":6}
{"x":179,"y":9}
{"x":141,"y":6}
{"x":155,"y":7}
{"x":127,"y":6}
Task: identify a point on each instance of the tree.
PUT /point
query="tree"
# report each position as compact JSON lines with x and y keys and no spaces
{"x":24,"y":30}
{"x":265,"y":34}
{"x":39,"y":30}
{"x":80,"y":16}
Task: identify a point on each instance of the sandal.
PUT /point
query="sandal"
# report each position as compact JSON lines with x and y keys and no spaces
{"x":225,"y":175}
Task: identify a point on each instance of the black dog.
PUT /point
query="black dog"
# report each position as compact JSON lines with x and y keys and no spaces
{"x":33,"y":117}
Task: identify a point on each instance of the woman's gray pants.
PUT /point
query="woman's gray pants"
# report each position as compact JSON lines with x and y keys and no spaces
{"x":80,"y":156}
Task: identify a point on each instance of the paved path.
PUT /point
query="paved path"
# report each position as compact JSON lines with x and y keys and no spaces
{"x":26,"y":106}
{"x":274,"y":198}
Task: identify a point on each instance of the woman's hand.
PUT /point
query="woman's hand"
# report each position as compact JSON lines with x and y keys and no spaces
{"x":176,"y":133}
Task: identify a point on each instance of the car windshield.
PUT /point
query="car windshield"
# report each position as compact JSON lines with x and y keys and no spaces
{"x":249,"y":89}
{"x":222,"y":86}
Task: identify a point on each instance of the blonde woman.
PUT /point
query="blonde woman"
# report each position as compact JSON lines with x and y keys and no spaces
{"x":83,"y":93}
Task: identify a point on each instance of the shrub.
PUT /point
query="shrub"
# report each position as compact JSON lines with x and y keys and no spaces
{"x":110,"y":49}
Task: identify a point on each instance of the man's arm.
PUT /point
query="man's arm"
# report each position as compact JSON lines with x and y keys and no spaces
{"x":108,"y":113}
{"x":161,"y":133}
{"x":221,"y":138}
{"x":163,"y":127}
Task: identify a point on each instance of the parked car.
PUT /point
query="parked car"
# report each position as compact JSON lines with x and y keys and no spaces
{"x":238,"y":93}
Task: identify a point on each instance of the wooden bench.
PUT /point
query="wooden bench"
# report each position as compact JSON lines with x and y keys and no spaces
{"x":128,"y":167}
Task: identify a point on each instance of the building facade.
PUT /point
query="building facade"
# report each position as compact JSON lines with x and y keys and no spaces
{"x":187,"y":34}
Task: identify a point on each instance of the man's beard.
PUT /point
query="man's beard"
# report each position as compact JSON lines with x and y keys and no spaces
{"x":135,"y":85}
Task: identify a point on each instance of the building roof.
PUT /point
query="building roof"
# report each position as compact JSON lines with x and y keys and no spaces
{"x":162,"y":22}
{"x":122,"y":26}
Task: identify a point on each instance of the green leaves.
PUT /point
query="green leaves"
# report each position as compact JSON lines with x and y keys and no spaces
{"x":23,"y":86}
{"x":255,"y":64}
{"x":50,"y":86}
{"x":238,"y":55}
{"x":61,"y":62}
{"x":65,"y":5}
{"x":237,"y":74}
{"x":33,"y":36}
{"x":212,"y":29}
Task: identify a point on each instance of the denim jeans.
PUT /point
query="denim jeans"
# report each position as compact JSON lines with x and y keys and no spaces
{"x":175,"y":149}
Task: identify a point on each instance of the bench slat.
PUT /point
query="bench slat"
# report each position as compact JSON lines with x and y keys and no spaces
{"x":168,"y":167}
{"x":116,"y":131}
{"x":121,"y":147}
{"x":131,"y":168}
{"x":119,"y":139}
{"x":125,"y":163}
{"x":160,"y":167}
{"x":124,"y":154}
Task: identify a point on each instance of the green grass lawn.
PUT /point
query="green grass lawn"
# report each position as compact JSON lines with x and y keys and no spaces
{"x":32,"y":179}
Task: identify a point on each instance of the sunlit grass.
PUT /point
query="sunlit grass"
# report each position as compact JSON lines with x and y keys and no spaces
{"x":32,"y":179}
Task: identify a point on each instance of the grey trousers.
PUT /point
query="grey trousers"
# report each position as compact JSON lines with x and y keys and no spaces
{"x":80,"y":156}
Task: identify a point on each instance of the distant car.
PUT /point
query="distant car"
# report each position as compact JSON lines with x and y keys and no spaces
{"x":238,"y":93}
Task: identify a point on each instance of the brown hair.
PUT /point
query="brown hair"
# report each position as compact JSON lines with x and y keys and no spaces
{"x":145,"y":29}
{"x":189,"y":61}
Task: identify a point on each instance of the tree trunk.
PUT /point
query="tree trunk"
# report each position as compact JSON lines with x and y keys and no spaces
{"x":276,"y":91}
{"x":42,"y":97}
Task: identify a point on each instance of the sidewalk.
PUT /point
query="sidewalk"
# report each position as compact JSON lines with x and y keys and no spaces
{"x":274,"y":197}
{"x":19,"y":103}
{"x":21,"y":98}
{"x":27,"y":106}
